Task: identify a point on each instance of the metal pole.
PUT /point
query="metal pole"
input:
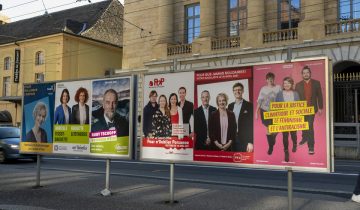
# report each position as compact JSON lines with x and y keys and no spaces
{"x":290,"y":189}
{"x":106,"y":191}
{"x":357,"y":121}
{"x":38,"y":157}
{"x":356,"y":107}
{"x":171,"y":183}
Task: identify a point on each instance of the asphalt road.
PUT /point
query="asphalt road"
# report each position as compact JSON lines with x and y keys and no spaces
{"x":341,"y":182}
{"x":75,"y":183}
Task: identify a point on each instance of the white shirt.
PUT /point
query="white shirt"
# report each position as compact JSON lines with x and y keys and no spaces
{"x":82,"y":110}
{"x":237,"y":109}
{"x":206,"y":113}
{"x":108,"y":121}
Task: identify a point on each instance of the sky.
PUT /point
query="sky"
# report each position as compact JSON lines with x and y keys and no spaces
{"x":22,"y":9}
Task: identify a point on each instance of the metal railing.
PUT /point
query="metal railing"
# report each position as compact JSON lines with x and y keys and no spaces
{"x":347,"y":77}
{"x":225,"y":43}
{"x":281,"y":35}
{"x":347,"y":135}
{"x":179,"y":49}
{"x":343,"y":26}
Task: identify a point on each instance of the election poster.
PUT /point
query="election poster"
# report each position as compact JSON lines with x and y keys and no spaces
{"x":167,"y":119}
{"x":37,"y":118}
{"x":110,"y":117}
{"x":72,"y":117}
{"x":223,"y":116}
{"x":291,"y":116}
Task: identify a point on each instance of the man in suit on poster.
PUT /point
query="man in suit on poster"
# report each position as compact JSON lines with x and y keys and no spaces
{"x":243,"y":111}
{"x":201,"y":125}
{"x":110,"y":119}
{"x":310,"y":91}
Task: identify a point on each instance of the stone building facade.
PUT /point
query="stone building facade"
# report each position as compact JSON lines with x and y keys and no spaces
{"x":171,"y":35}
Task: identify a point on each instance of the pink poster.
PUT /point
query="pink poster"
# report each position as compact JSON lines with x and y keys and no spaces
{"x":223,"y":116}
{"x":290,"y":122}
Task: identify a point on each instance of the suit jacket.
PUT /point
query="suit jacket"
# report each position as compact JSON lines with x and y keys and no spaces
{"x":187,"y":110}
{"x":75,"y":114}
{"x":200,"y":127}
{"x":60,"y":115}
{"x":215,"y":128}
{"x":30,"y":136}
{"x":245,"y":127}
{"x":316,"y":94}
{"x":148,"y":112}
{"x":121,"y":125}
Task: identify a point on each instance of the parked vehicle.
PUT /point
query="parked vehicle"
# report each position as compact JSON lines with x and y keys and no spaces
{"x":10,"y":145}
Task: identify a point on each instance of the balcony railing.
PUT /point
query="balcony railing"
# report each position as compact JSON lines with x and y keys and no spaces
{"x":225,"y":43}
{"x":344,"y":26}
{"x":279,"y":36}
{"x":179,"y":49}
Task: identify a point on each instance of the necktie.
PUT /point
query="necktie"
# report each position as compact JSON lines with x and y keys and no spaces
{"x":111,"y":124}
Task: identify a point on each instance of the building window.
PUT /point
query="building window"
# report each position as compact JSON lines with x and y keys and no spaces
{"x":39,"y":58}
{"x":39,"y":77}
{"x":349,"y":9}
{"x":6,"y":87}
{"x":192,"y":18}
{"x":237,"y":16}
{"x":289,"y":12}
{"x":7,"y":63}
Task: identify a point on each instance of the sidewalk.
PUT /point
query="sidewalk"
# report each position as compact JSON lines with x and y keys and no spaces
{"x":73,"y":190}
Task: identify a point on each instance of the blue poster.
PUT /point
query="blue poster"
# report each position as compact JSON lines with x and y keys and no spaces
{"x":38,"y":114}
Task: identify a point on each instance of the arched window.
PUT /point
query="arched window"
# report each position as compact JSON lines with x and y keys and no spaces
{"x":39,"y":58}
{"x":7,"y":63}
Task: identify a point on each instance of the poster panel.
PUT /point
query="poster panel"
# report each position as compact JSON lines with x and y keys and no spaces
{"x":167,"y":122}
{"x":92,"y":117}
{"x":37,"y":118}
{"x":110,"y":117}
{"x":291,"y":114}
{"x":224,"y":116}
{"x":72,"y":117}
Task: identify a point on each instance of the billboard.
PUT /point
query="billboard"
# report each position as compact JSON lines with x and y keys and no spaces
{"x":37,"y":118}
{"x":273,"y":115}
{"x":168,"y":117}
{"x":89,"y":117}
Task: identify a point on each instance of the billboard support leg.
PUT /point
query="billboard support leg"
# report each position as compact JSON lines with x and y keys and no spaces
{"x":38,"y":158}
{"x":106,"y":191}
{"x":171,"y":201}
{"x":172,"y":183}
{"x":290,"y":188}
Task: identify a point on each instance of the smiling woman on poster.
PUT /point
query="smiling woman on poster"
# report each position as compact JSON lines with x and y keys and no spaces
{"x":267,"y":95}
{"x":161,"y":124}
{"x":286,"y":95}
{"x":38,"y":134}
{"x":63,"y":111}
{"x":80,"y":111}
{"x":222,"y":125}
{"x":176,"y":112}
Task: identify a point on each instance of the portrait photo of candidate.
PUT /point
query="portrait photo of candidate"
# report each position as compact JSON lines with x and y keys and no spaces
{"x":187,"y":108}
{"x":149,"y":111}
{"x":222,"y":125}
{"x":63,"y":111}
{"x":309,"y":90}
{"x":161,"y":121}
{"x":80,"y":111}
{"x":201,"y":122}
{"x":243,"y":111}
{"x":108,"y":118}
{"x":37,"y":133}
